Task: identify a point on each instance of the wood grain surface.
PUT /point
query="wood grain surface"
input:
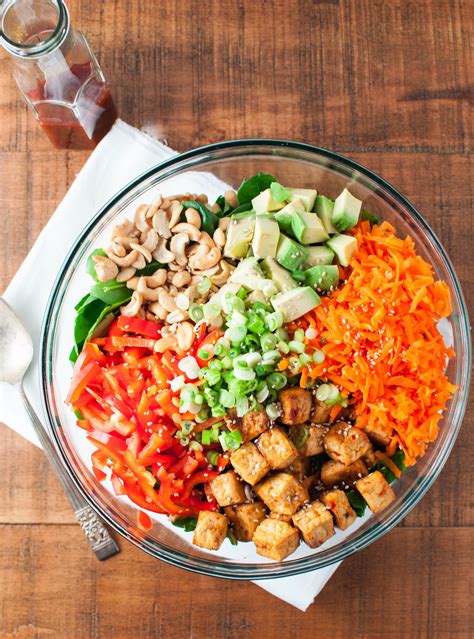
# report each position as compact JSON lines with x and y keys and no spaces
{"x":388,"y":83}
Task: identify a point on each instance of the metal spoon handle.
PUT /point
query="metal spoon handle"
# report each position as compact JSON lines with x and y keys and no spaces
{"x":95,"y":531}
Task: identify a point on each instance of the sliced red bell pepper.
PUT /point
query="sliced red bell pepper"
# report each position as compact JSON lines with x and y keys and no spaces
{"x":170,"y":362}
{"x":207,"y":345}
{"x":139,"y":326}
{"x":120,"y":342}
{"x":184,"y":466}
{"x":117,"y":485}
{"x":90,"y":353}
{"x":202,"y":477}
{"x":85,"y":376}
{"x":166,"y":490}
{"x":144,"y":521}
{"x":134,"y":443}
{"x":164,"y":399}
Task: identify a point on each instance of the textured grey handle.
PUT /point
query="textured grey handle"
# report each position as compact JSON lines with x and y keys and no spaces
{"x":95,"y":531}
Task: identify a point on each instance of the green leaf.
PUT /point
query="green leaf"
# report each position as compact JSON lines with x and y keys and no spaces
{"x":82,"y":302}
{"x":230,"y":440}
{"x":150,"y":268}
{"x":370,"y":217}
{"x":279,"y":193}
{"x":357,"y":502}
{"x":187,"y":523}
{"x":231,"y":537}
{"x":225,"y":207}
{"x":90,"y":265}
{"x":209,"y":219}
{"x":253,"y":186}
{"x":398,"y":459}
{"x":85,"y":319}
{"x":242,"y":209}
{"x":111,"y":292}
{"x":300,"y":435}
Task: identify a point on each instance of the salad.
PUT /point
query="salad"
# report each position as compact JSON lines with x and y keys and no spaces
{"x":261,"y":369}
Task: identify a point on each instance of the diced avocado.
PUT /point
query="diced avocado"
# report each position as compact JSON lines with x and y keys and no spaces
{"x":249,"y":275}
{"x":280,"y":276}
{"x":265,"y":237}
{"x":264,"y":202}
{"x":324,"y":207}
{"x":323,"y":277}
{"x":239,"y":236}
{"x":319,"y":255}
{"x":308,"y":228}
{"x":346,"y":211}
{"x":307,"y":196}
{"x":344,"y":246}
{"x":290,"y":254}
{"x":295,"y":303}
{"x":256,"y":296}
{"x":285,"y":216}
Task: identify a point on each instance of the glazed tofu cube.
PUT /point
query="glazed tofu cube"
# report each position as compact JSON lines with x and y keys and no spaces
{"x":299,"y":468}
{"x":249,"y":463}
{"x":296,"y":405}
{"x":315,"y":523}
{"x":286,"y":518}
{"x":379,"y":435}
{"x":320,"y":412}
{"x":277,"y":449}
{"x":346,"y":443}
{"x":227,"y":489}
{"x":311,"y":481}
{"x":282,"y":493}
{"x":333,"y":473}
{"x":337,"y":502}
{"x":211,"y":530}
{"x":376,"y":491}
{"x":251,"y":425}
{"x":275,"y":539}
{"x":314,"y":444}
{"x":245,"y":518}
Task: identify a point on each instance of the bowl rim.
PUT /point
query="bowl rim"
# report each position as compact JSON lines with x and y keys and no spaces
{"x":296,"y":566}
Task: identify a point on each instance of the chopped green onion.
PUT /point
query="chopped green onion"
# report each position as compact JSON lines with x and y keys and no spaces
{"x":256,"y":324}
{"x":319,"y":356}
{"x":238,"y":304}
{"x":237,"y":319}
{"x":203,"y":354}
{"x":227,"y":399}
{"x":215,"y":365}
{"x":195,"y":312}
{"x":268,"y":341}
{"x":244,"y":373}
{"x":282,"y":334}
{"x":242,"y":293}
{"x":218,"y":411}
{"x":273,"y":411}
{"x":230,"y":440}
{"x":299,"y":335}
{"x":211,"y":311}
{"x":212,"y":457}
{"x":238,"y":388}
{"x":326,"y":392}
{"x":305,"y":359}
{"x":276,"y":381}
{"x":206,"y":437}
{"x":186,"y":426}
{"x":204,"y":285}
{"x":300,"y":435}
{"x":194,"y":445}
{"x":274,"y":321}
{"x":242,"y":406}
{"x":202,"y":415}
{"x":283,"y":348}
{"x":226,"y":362}
{"x":212,"y":376}
{"x":296,"y":347}
{"x":262,"y":394}
{"x":236,"y":334}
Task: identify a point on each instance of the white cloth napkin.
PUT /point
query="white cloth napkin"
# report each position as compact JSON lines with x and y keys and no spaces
{"x":122,"y":155}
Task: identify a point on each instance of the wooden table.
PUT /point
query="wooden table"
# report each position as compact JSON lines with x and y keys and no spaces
{"x":386,"y":83}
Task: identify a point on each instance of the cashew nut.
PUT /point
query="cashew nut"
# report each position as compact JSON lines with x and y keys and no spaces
{"x":210,"y":271}
{"x":206,"y":239}
{"x":150,"y":239}
{"x":132,"y":283}
{"x":161,"y":253}
{"x":125,"y":274}
{"x":158,"y":310}
{"x":185,"y":336}
{"x":181,"y":278}
{"x":154,"y":206}
{"x":215,"y":208}
{"x":176,"y":316}
{"x":184,"y":227}
{"x":224,"y":223}
{"x":149,"y":294}
{"x":182,"y":301}
{"x":123,"y":262}
{"x":166,"y":204}
{"x":193,"y":217}
{"x":219,"y":237}
{"x":225,"y":270}
{"x":133,"y":307}
{"x":140,"y":262}
{"x":105,"y":269}
{"x":231,"y":198}
{"x":178,"y":245}
{"x":174,"y":212}
{"x":117,"y":249}
{"x":125,"y":227}
{"x":123,"y":242}
{"x":207,"y":258}
{"x":166,"y":300}
{"x":140,"y":217}
{"x":166,"y":344}
{"x":174,"y":266}
{"x":143,"y":250}
{"x":157,"y":279}
{"x":202,"y":197}
{"x":161,"y":224}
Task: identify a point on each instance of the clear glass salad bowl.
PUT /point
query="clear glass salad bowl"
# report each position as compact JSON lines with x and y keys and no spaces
{"x":209,"y":170}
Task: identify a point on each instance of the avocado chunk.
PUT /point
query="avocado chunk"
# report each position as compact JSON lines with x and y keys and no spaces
{"x":290,"y":254}
{"x":239,"y":236}
{"x":344,"y":246}
{"x":308,"y":228}
{"x":264,"y":202}
{"x":249,"y":275}
{"x":307,"y":196}
{"x":295,"y":303}
{"x":324,"y":207}
{"x":323,"y":277}
{"x":346,"y":211}
{"x":285,"y":215}
{"x":319,"y":255}
{"x":265,"y":237}
{"x":280,"y":276}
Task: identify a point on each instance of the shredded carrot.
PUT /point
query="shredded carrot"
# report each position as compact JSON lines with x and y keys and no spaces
{"x":381,"y":343}
{"x":388,"y":462}
{"x":283,"y":364}
{"x":335,"y":410}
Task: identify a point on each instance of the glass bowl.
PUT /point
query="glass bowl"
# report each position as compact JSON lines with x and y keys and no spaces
{"x":204,"y":170}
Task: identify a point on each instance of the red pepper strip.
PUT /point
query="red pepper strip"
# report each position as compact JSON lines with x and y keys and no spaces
{"x":202,"y":477}
{"x":164,"y":400}
{"x":139,"y":326}
{"x":166,"y":490}
{"x":85,"y":376}
{"x":116,"y":443}
{"x":184,"y":466}
{"x":121,"y":342}
{"x":84,"y":424}
{"x":90,"y":353}
{"x":207,"y":345}
{"x":133,"y":443}
{"x":117,"y":485}
{"x":116,"y":389}
{"x":99,"y":341}
{"x":145,"y":479}
{"x":96,"y":419}
{"x":170,"y":363}
{"x":197,"y":504}
{"x":200,"y":335}
{"x":159,"y":374}
{"x":157,"y":442}
{"x":113,"y":330}
{"x":99,"y":464}
{"x":144,"y":521}
{"x":144,"y":415}
{"x":222,"y":462}
{"x":132,"y":356}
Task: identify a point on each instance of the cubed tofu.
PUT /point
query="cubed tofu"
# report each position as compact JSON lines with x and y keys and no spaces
{"x":228,"y":489}
{"x":211,"y":530}
{"x":296,"y":405}
{"x":337,"y":502}
{"x":245,"y":518}
{"x":286,"y":518}
{"x":380,"y":435}
{"x":275,"y":539}
{"x":320,"y":412}
{"x":249,"y":463}
{"x":376,"y":491}
{"x":314,"y":444}
{"x":299,"y":468}
{"x":277,"y":448}
{"x":346,"y":443}
{"x":282,"y":493}
{"x":333,"y":473}
{"x":251,"y":425}
{"x":315,"y":523}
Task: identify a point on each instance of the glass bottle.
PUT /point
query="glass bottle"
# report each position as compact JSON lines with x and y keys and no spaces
{"x":57,"y":72}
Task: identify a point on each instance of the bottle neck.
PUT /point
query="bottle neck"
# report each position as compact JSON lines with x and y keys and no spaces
{"x":31,"y":29}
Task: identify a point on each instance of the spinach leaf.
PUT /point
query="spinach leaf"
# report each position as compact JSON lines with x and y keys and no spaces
{"x":225,"y":207}
{"x":370,"y":217}
{"x":398,"y":459}
{"x":279,"y":193}
{"x":357,"y":502}
{"x":187,"y":523}
{"x":111,"y":292}
{"x":231,"y":537}
{"x":242,"y":209}
{"x":90,"y":265}
{"x":85,"y":319}
{"x":150,"y":268}
{"x":209,"y":219}
{"x":253,"y":186}
{"x":82,"y":302}
{"x":107,"y":315}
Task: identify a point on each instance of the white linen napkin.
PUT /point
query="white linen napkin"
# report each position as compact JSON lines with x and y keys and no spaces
{"x":120,"y":157}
